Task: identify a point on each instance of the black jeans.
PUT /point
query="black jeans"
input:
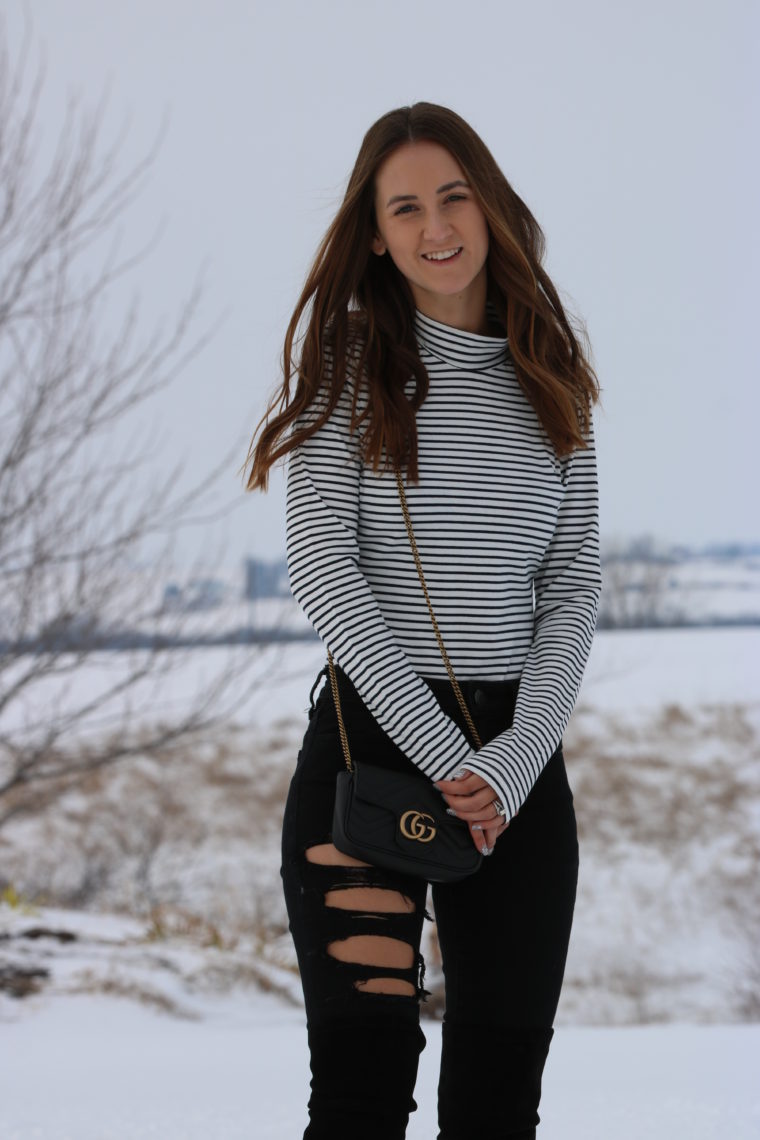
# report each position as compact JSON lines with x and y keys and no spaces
{"x":503,"y":935}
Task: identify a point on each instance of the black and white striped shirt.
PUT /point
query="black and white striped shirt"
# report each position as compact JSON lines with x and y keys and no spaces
{"x":508,"y":538}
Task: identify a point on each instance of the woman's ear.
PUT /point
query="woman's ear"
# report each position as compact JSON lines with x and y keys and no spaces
{"x":378,"y":245}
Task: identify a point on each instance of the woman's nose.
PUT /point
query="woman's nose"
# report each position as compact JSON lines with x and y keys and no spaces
{"x":436,"y":226}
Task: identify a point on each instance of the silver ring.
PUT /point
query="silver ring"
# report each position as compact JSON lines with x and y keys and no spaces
{"x":500,"y":809}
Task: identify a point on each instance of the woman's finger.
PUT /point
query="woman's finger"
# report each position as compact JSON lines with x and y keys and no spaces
{"x":486,"y":837}
{"x":464,"y":785}
{"x":491,"y":834}
{"x":472,"y":807}
{"x":478,"y":837}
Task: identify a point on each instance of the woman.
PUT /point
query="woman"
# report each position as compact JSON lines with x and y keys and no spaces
{"x":435,"y":341}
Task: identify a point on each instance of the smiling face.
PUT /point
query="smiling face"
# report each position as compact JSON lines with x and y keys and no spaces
{"x":431,"y":226}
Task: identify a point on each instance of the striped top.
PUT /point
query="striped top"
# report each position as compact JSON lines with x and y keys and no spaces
{"x":508,"y":538}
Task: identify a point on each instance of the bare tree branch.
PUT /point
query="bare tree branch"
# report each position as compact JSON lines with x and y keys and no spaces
{"x":76,"y":506}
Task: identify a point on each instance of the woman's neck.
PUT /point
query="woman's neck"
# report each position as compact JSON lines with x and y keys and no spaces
{"x":465,"y":311}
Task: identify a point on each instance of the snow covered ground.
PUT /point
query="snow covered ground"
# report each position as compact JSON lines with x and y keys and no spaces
{"x":167,"y":1048}
{"x":86,"y":1068}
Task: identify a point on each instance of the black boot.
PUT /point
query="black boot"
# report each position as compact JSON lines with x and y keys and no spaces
{"x":502,"y":1067}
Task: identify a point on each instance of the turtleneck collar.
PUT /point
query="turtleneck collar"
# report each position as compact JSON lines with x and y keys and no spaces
{"x":458,"y":348}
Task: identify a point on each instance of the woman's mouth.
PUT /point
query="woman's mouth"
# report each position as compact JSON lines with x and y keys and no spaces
{"x":443,"y":256}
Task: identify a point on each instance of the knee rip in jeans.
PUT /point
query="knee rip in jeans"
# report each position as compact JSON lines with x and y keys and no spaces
{"x":374,"y":928}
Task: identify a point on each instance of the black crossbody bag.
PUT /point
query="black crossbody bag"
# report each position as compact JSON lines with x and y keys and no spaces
{"x":394,"y":820}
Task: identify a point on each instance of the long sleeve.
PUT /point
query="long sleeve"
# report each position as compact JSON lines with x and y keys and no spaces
{"x":323,"y":503}
{"x":567,"y":590}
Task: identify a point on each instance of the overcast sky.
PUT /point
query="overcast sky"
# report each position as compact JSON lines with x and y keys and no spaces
{"x":629,"y":129}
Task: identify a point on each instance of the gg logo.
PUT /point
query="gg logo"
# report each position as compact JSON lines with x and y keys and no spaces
{"x":413,"y":826}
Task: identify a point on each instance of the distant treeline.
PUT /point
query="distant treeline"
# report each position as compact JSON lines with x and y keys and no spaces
{"x":647,"y":549}
{"x":76,"y":641}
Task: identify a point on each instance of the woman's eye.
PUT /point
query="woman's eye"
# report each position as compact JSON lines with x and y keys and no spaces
{"x":408,"y":207}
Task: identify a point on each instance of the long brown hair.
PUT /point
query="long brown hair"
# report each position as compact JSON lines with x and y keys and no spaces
{"x":360,"y":314}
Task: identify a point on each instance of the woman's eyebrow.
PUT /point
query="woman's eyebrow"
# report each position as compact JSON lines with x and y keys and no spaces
{"x":440,"y":190}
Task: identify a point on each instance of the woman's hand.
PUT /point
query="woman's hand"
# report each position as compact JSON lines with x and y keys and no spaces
{"x":472,"y":799}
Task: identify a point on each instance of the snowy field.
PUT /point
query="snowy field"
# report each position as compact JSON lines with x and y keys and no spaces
{"x":159,"y":923}
{"x":101,"y":1069}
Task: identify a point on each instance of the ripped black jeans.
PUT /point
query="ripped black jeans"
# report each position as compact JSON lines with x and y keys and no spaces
{"x":503,"y":936}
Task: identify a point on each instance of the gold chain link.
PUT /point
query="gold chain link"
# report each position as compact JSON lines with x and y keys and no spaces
{"x":439,"y":638}
{"x":339,"y":711}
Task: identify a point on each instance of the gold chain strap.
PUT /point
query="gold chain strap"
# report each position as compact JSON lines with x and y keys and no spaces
{"x":439,"y":638}
{"x":339,"y":711}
